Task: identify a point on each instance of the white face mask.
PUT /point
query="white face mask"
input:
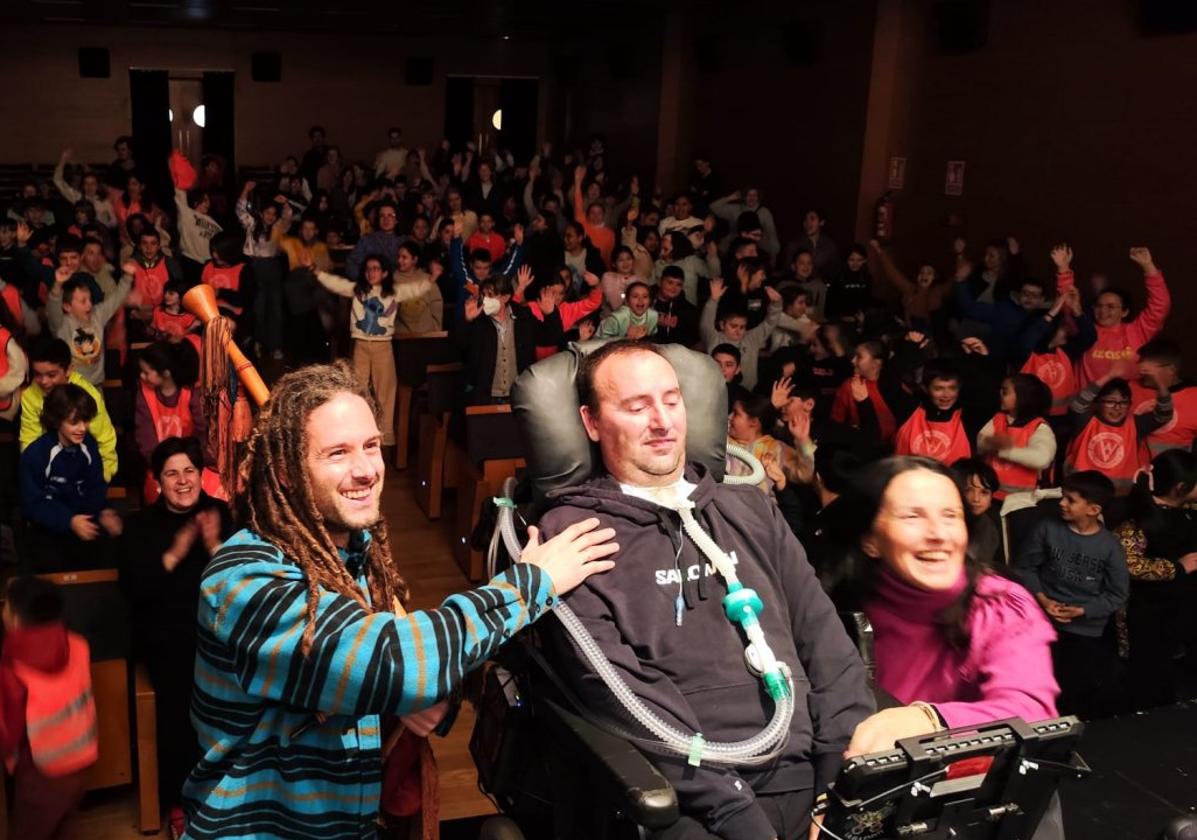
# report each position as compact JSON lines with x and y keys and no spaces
{"x":490,"y":305}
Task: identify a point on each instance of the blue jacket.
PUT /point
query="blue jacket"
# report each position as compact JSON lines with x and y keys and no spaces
{"x":271,"y":768}
{"x":58,"y":482}
{"x":377,"y":243}
{"x":1009,"y":321}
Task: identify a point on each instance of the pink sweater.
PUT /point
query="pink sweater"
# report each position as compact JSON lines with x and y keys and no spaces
{"x":1121,"y":343}
{"x":1006,"y":671}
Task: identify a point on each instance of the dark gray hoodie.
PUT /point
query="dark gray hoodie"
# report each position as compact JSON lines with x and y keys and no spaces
{"x":688,"y":664}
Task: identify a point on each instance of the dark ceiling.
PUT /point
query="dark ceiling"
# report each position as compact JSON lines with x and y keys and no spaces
{"x":497,"y":18}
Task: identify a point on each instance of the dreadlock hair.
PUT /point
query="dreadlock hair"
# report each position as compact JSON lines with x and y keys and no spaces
{"x":276,"y":500}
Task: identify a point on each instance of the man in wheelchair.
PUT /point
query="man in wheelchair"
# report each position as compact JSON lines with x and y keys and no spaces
{"x":691,"y":549}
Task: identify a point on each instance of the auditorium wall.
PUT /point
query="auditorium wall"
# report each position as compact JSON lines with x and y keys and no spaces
{"x":352,"y":84}
{"x":792,"y":123}
{"x":1074,"y":126}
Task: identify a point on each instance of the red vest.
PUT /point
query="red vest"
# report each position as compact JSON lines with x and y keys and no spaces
{"x":12,"y":299}
{"x":1055,"y":371}
{"x":171,"y":324}
{"x":1112,"y":450}
{"x":224,"y":278}
{"x":1177,"y":433}
{"x":844,"y":410}
{"x":1013,"y":478}
{"x":60,"y":715}
{"x":149,"y":282}
{"x":169,"y":421}
{"x":5,"y":337}
{"x":944,"y":442}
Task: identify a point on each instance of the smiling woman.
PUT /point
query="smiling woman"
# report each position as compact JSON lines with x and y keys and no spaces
{"x":956,"y":642}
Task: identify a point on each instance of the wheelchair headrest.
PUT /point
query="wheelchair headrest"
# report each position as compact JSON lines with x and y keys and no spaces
{"x":556,"y":448}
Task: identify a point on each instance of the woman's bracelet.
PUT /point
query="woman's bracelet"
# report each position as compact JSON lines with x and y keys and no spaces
{"x":932,"y":715}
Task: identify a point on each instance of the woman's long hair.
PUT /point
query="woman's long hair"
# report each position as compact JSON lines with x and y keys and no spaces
{"x":1172,"y":472}
{"x":857,"y":581}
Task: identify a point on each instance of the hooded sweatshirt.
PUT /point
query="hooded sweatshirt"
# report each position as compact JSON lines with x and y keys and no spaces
{"x":43,"y":647}
{"x":659,"y":619}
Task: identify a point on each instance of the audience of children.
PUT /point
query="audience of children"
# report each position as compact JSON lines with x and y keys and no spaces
{"x":826,"y":371}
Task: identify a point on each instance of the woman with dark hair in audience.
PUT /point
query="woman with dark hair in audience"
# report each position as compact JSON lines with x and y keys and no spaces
{"x":167,"y":405}
{"x":166,"y":547}
{"x":859,"y":402}
{"x":1159,"y":536}
{"x":955,"y":642}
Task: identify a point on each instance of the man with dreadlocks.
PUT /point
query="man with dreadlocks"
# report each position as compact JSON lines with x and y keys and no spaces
{"x":303,"y":643}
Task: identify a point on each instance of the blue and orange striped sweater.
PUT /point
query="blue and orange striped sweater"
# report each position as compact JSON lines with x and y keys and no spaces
{"x":268,"y":769}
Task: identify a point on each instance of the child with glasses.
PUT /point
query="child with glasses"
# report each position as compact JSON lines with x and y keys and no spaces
{"x":1109,"y":438}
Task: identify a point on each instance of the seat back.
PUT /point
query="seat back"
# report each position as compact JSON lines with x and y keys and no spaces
{"x":491,"y":433}
{"x":556,"y":447}
{"x":414,"y":353}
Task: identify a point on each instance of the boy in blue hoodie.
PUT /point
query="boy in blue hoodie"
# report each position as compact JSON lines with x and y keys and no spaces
{"x":62,"y":487}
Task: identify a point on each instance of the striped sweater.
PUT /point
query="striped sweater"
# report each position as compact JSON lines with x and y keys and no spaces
{"x":269,"y":770}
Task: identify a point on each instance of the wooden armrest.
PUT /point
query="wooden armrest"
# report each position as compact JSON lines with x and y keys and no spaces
{"x":113,"y":384}
{"x":117,"y":492}
{"x":92,"y":576}
{"x":142,"y":687}
{"x":140,"y":345}
{"x":473,"y":410}
{"x":447,"y":367}
{"x":420,"y":336}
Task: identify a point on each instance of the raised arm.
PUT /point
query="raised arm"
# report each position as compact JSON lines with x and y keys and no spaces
{"x":338,"y":285}
{"x":242,"y":209}
{"x":68,"y":192}
{"x":1150,"y":321}
{"x":889,"y":270}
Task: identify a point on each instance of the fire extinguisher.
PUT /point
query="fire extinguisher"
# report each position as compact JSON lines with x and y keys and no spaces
{"x":883,"y":217}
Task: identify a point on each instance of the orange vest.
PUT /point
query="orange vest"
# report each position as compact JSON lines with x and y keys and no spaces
{"x":169,"y":421}
{"x":1112,"y":450}
{"x":149,"y":282}
{"x":222,"y":278}
{"x":5,"y":337}
{"x":172,"y":324}
{"x":944,"y":442}
{"x":1013,"y":478}
{"x":1055,"y":371}
{"x":1177,"y":433}
{"x":60,"y":715}
{"x":12,"y":299}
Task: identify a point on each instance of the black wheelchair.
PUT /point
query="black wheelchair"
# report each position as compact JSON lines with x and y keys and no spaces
{"x":555,"y":772}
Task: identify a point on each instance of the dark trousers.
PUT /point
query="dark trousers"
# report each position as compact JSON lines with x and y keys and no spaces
{"x":173,"y":676}
{"x":1154,"y":623}
{"x":1082,"y":665}
{"x":307,"y":342}
{"x":41,"y":804}
{"x":789,"y":813}
{"x":269,"y":307}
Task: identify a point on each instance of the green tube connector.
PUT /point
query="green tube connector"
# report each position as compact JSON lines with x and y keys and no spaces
{"x":742,"y":605}
{"x":776,"y":685}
